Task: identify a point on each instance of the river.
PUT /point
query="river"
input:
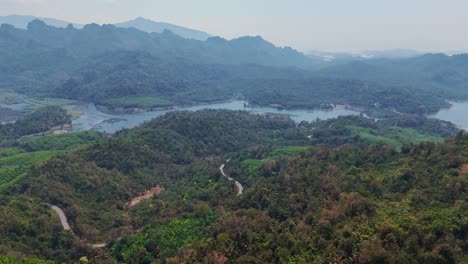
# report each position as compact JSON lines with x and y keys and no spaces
{"x":93,"y":119}
{"x":457,"y":114}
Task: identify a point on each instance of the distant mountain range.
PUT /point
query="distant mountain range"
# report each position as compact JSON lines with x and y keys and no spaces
{"x":94,"y":39}
{"x":138,"y":23}
{"x":150,"y":26}
{"x":22,"y":21}
{"x":96,"y":62}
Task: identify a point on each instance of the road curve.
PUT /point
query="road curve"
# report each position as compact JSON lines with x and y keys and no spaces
{"x":61,"y":214}
{"x":66,"y":225}
{"x":239,"y":186}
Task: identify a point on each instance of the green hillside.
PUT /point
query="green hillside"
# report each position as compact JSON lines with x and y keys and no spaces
{"x":303,"y":201}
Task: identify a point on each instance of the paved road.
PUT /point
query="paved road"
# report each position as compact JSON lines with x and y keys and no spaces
{"x":66,"y":226}
{"x":61,"y":214}
{"x":239,"y":186}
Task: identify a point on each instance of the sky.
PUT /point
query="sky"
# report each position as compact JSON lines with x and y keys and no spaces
{"x":328,"y":25}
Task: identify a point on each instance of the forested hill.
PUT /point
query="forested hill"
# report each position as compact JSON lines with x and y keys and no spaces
{"x":93,"y":39}
{"x":150,"y":26}
{"x":438,"y":74}
{"x":106,"y":64}
{"x":303,"y":201}
{"x":39,"y":121}
{"x":140,"y":23}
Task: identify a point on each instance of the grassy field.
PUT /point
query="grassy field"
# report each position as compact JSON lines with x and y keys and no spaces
{"x":286,"y":151}
{"x":52,"y":101}
{"x":395,"y":136}
{"x":12,"y":260}
{"x":9,"y":98}
{"x":15,"y":162}
{"x":252,"y":166}
{"x":143,"y":102}
{"x":13,"y":168}
{"x":59,"y":142}
{"x":72,"y":112}
{"x":7,"y":152}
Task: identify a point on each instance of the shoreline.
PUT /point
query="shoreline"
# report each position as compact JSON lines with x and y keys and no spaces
{"x":138,"y":110}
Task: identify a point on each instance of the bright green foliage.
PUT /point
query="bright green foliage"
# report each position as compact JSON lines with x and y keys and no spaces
{"x":163,"y":241}
{"x":64,"y":141}
{"x":12,"y":168}
{"x":6,"y":152}
{"x":30,"y":152}
{"x":52,"y":101}
{"x":11,"y":260}
{"x":394,"y":136}
{"x":252,"y":167}
{"x":26,"y":159}
{"x":327,"y":198}
{"x":286,"y":151}
{"x":396,"y":131}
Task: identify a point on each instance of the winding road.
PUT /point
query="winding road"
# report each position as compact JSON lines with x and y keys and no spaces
{"x":66,"y":225}
{"x":63,"y":218}
{"x":239,"y":186}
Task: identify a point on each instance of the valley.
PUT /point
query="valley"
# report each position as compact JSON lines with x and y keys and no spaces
{"x":145,"y":142}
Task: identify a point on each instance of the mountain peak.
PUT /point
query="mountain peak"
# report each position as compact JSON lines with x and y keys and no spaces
{"x":142,"y":19}
{"x":22,"y":22}
{"x":70,"y":27}
{"x":91,"y":27}
{"x":6,"y":27}
{"x":36,"y":24}
{"x":253,"y":40}
{"x":150,"y":26}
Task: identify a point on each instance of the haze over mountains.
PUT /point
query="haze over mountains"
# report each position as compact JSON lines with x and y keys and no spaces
{"x":158,"y":27}
{"x":22,"y":22}
{"x":138,"y":23}
{"x":305,"y":158}
{"x":98,"y":62}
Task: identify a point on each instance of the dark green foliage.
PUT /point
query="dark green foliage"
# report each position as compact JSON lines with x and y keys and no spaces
{"x":53,"y":55}
{"x":359,"y":130}
{"x":58,"y":142}
{"x":435,"y":74}
{"x":423,"y":125}
{"x":359,"y":205}
{"x":8,"y":115}
{"x":28,"y":226}
{"x":316,"y":92}
{"x":137,"y":73}
{"x":98,"y":63}
{"x":12,"y":260}
{"x":217,"y":132}
{"x":303,"y":201}
{"x":164,"y":241}
{"x":337,"y":191}
{"x":37,"y":122}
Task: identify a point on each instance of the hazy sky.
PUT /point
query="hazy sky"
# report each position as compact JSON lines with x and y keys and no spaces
{"x":337,"y":25}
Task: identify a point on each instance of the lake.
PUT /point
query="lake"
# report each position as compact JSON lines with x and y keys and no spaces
{"x":457,"y":114}
{"x":93,"y":119}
